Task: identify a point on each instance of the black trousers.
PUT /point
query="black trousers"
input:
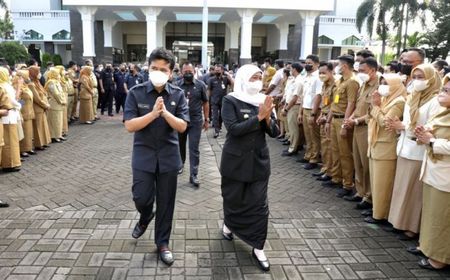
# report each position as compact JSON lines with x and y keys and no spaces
{"x":107,"y":101}
{"x":120,"y":100}
{"x":193,"y":132}
{"x":217,"y":116}
{"x":162,"y":186}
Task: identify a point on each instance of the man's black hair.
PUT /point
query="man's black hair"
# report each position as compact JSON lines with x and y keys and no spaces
{"x":365,"y":53}
{"x":162,"y":53}
{"x":280,"y":63}
{"x":298,"y":67}
{"x":441,"y":64}
{"x":72,"y":63}
{"x":421,"y":52}
{"x":371,"y":62}
{"x":347,"y":59}
{"x":329,"y":65}
{"x":314,"y":58}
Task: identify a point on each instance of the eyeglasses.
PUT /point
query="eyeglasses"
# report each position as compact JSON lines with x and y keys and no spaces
{"x":446,"y":90}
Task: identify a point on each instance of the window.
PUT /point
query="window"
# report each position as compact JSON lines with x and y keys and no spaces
{"x":33,"y":35}
{"x":61,"y":35}
{"x":352,"y":41}
{"x":324,"y":40}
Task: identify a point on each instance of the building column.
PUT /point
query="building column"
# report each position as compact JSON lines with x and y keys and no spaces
{"x":161,"y":33}
{"x":151,"y":16}
{"x":232,"y":41}
{"x":246,"y":35}
{"x":87,"y":18}
{"x":308,"y":21}
{"x":108,"y":25}
{"x":284,"y":32}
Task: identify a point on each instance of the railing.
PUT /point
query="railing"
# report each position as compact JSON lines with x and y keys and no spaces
{"x":40,"y":15}
{"x":337,"y":20}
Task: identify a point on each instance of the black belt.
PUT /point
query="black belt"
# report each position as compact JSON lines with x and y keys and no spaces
{"x":338,"y":116}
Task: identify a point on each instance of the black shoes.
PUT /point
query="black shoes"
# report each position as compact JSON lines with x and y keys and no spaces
{"x":413,"y":250}
{"x":263,"y":264}
{"x":286,"y":143}
{"x":227,"y":236}
{"x":216,"y":134}
{"x":324,"y":178}
{"x":11,"y":169}
{"x":318,"y":174}
{"x":367,"y":212}
{"x":310,"y":166}
{"x":165,"y":255}
{"x":24,"y":155}
{"x":288,"y":154}
{"x":371,"y":220}
{"x":56,"y":140}
{"x":302,"y":160}
{"x":181,"y":170}
{"x":353,"y":198}
{"x":3,"y":204}
{"x":363,"y":205}
{"x":140,"y":228}
{"x":425,"y":263}
{"x":331,"y":184}
{"x":31,"y":152}
{"x":344,"y":192}
{"x":194,"y":180}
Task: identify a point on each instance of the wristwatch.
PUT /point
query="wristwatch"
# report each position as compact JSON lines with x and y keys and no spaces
{"x":432,"y":140}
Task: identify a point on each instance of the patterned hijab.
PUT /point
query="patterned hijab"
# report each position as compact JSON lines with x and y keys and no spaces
{"x":21,"y":74}
{"x":86,"y":72}
{"x":419,"y":98}
{"x":52,"y":77}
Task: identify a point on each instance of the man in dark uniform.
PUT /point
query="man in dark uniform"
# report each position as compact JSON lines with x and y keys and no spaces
{"x":217,"y":89}
{"x":156,"y":112}
{"x":107,"y":88}
{"x":121,"y":94}
{"x":196,"y":95}
{"x":133,"y":78}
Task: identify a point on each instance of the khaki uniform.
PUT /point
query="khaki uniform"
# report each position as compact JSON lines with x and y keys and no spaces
{"x":342,"y":171}
{"x":27,"y":111}
{"x":86,"y":112}
{"x":41,"y":132}
{"x":70,"y":97}
{"x":325,"y":140}
{"x":4,"y":104}
{"x":64,"y":87}
{"x":56,"y":100}
{"x":74,"y":79}
{"x":94,"y":83}
{"x":383,"y":157}
{"x":360,"y":140}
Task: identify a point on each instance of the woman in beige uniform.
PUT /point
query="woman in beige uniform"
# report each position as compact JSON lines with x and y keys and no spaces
{"x":20,"y":82}
{"x":65,"y":88}
{"x":41,"y":131}
{"x":56,"y":100}
{"x":387,"y":102}
{"x":11,"y":149}
{"x":435,"y":229}
{"x":85,"y":94}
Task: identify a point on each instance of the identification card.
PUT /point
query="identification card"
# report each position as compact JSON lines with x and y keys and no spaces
{"x":326,"y":100}
{"x":223,"y":86}
{"x":336,"y":98}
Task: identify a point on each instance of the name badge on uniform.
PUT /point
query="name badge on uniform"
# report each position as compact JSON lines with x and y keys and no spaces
{"x":137,"y":82}
{"x":173,"y":103}
{"x":246,"y":116}
{"x":245,"y":111}
{"x":223,"y":86}
{"x":336,"y":98}
{"x":143,"y":106}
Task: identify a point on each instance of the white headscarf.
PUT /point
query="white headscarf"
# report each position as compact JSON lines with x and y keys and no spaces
{"x":243,"y":76}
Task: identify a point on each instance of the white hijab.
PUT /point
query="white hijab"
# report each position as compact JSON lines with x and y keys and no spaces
{"x":243,"y":76}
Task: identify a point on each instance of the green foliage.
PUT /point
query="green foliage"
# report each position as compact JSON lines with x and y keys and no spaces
{"x":55,"y":58}
{"x":438,"y":39}
{"x":13,"y":52}
{"x":6,"y":26}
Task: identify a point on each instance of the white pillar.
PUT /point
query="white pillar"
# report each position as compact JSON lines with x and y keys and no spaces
{"x":233,"y":39}
{"x":87,"y":18}
{"x":205,"y":22}
{"x":284,"y":32}
{"x":308,"y":20}
{"x":108,"y":25}
{"x":151,"y":16}
{"x":246,"y":33}
{"x":161,"y":31}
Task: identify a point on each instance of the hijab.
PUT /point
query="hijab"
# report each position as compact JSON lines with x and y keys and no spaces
{"x":243,"y":76}
{"x":62,"y":70}
{"x":86,"y":72}
{"x":4,"y":76}
{"x":53,"y":76}
{"x":34,"y":77}
{"x":21,"y":74}
{"x":419,"y":98}
{"x":440,"y":127}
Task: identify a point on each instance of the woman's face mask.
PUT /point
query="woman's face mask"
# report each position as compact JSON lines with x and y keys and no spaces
{"x":383,"y":90}
{"x":420,"y":85}
{"x":254,"y":87}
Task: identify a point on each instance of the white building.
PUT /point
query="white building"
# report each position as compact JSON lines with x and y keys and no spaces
{"x":238,"y":31}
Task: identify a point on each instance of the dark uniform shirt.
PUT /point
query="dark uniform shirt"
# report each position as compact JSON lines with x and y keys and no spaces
{"x":132,"y":80}
{"x":196,"y":95}
{"x":119,"y":78}
{"x":218,"y":88}
{"x":155,"y":147}
{"x":107,"y":79}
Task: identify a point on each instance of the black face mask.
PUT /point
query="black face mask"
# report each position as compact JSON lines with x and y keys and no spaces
{"x":308,"y":67}
{"x":406,"y":69}
{"x":218,"y":74}
{"x":188,"y":77}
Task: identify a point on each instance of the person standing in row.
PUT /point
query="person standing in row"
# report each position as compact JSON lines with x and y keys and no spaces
{"x":197,"y":98}
{"x":107,"y":88}
{"x":86,"y":94}
{"x":65,"y":89}
{"x":156,"y":112}
{"x":41,"y":132}
{"x":11,"y":151}
{"x":5,"y":107}
{"x":56,"y":101}
{"x":342,"y":107}
{"x":245,"y":163}
{"x":72,"y":72}
{"x":358,"y":121}
{"x":217,"y":89}
{"x":133,"y":78}
{"x":387,"y":102}
{"x":94,"y":83}
{"x":20,"y":82}
{"x":120,"y":93}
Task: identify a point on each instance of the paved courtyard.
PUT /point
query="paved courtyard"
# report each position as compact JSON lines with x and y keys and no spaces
{"x":71,"y":217}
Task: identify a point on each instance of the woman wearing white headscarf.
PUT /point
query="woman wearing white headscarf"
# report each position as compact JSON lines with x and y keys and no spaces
{"x":245,"y":165}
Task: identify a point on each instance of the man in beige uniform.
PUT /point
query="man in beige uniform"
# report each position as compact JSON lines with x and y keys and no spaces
{"x":72,"y":71}
{"x":342,"y":107}
{"x":359,"y":120}
{"x":326,"y":77}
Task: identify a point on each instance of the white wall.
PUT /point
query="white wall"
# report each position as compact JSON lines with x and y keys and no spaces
{"x":31,"y":5}
{"x":117,"y":36}
{"x":45,"y":26}
{"x":347,"y":8}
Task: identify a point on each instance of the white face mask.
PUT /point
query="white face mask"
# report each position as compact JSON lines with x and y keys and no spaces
{"x":253,"y":88}
{"x":420,"y":85}
{"x":356,"y":66}
{"x":158,"y":78}
{"x":363,"y":77}
{"x":337,"y":70}
{"x":383,"y":90}
{"x":39,"y":76}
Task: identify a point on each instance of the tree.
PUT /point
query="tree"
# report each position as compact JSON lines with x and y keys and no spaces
{"x":373,"y":13}
{"x":415,"y":40}
{"x":6,"y":27}
{"x":13,"y":52}
{"x":438,"y":39}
